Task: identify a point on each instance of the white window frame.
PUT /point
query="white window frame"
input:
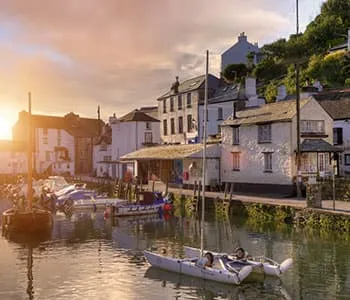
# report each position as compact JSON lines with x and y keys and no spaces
{"x":148,"y":138}
{"x":235,"y":135}
{"x":236,"y":164}
{"x":268,"y":162}
{"x":265,"y":133}
{"x":312,"y":126}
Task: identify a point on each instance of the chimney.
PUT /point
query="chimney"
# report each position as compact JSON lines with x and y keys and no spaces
{"x":175,"y":86}
{"x":242,"y":37}
{"x":281,"y":93}
{"x":113,"y":119}
{"x":250,"y":87}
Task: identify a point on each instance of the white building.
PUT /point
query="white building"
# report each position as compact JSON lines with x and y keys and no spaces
{"x":237,"y":54}
{"x":131,"y":132}
{"x":259,"y":146}
{"x":62,"y":145}
{"x":339,"y":110}
{"x":13,"y":158}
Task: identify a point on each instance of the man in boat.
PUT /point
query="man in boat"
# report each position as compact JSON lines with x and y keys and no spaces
{"x":210,"y":259}
{"x":240,"y":254}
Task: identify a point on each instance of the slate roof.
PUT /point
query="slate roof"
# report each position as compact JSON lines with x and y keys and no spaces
{"x":337,"y":109}
{"x":137,"y":115}
{"x":317,"y":145}
{"x":12,"y":146}
{"x":166,"y":152}
{"x":272,"y":112}
{"x":72,"y":123}
{"x":150,"y":110}
{"x":227,"y":92}
{"x":193,"y":84}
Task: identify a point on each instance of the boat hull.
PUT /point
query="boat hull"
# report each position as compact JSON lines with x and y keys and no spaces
{"x":190,"y":268}
{"x":136,"y":210}
{"x":258,"y":267}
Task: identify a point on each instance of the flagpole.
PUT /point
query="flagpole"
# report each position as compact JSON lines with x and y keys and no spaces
{"x":204,"y":149}
{"x":29,"y":148}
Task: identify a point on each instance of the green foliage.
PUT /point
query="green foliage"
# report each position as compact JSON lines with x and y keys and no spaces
{"x":346,"y":65}
{"x":269,"y":69}
{"x":347,"y":82}
{"x":235,"y":71}
{"x":271,"y":91}
{"x":275,"y":50}
{"x":329,"y":69}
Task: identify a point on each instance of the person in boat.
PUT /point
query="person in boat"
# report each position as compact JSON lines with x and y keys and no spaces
{"x":210,"y":259}
{"x":240,"y":254}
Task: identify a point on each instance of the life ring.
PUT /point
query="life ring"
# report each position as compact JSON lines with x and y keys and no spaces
{"x":186,"y":176}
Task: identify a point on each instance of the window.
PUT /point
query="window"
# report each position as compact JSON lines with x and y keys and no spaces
{"x":148,"y":125}
{"x":165,"y":127}
{"x":235,"y":161}
{"x":45,"y":131}
{"x":164,"y":106}
{"x":235,"y":135}
{"x":171,"y":104}
{"x":323,"y":161}
{"x":59,"y":138}
{"x":67,"y":166}
{"x":172,"y":126}
{"x":107,"y":158}
{"x":189,"y":100}
{"x":347,"y":159}
{"x":337,"y":136}
{"x":179,"y":102}
{"x":189,"y":123}
{"x":220,"y":113}
{"x":312,"y":126}
{"x":148,"y":137}
{"x":45,"y":140}
{"x":264,"y":133}
{"x":268,"y":161}
{"x":47,"y":156}
{"x":181,"y":125}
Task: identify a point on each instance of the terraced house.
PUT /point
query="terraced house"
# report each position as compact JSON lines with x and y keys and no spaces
{"x":259,"y":146}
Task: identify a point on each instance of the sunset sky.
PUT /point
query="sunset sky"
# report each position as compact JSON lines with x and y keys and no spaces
{"x":74,"y":55}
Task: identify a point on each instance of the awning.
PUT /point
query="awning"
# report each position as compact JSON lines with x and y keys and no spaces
{"x":169,"y":152}
{"x":317,"y":145}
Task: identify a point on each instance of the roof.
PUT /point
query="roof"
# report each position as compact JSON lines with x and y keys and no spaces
{"x":12,"y":146}
{"x":150,"y":110}
{"x":168,"y":152}
{"x":272,"y":112}
{"x":227,"y":92}
{"x":138,"y":116}
{"x":339,"y":47}
{"x":333,"y":94}
{"x":317,"y":145}
{"x":72,"y":123}
{"x":337,"y":109}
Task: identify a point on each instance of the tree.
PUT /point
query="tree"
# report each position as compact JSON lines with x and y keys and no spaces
{"x":235,"y":72}
{"x":275,"y":50}
{"x":268,"y":69}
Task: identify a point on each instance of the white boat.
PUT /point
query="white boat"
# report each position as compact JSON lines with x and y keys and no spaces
{"x":123,"y":209}
{"x":193,"y":267}
{"x":197,"y":266}
{"x":259,"y":263}
{"x":97,"y":203}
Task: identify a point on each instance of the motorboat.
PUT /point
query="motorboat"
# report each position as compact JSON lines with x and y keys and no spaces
{"x":258,"y":263}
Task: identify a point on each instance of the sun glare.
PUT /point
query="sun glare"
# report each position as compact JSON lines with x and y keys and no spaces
{"x":5,"y":129}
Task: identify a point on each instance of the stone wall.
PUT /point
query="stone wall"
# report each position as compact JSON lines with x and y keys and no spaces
{"x":342,"y":189}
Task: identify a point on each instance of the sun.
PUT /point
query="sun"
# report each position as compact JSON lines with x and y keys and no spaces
{"x":5,"y":129}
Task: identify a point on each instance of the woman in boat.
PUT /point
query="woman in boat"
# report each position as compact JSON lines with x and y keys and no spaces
{"x":210,"y":259}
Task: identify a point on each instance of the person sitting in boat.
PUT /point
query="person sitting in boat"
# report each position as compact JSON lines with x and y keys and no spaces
{"x":206,"y":261}
{"x":240,"y":254}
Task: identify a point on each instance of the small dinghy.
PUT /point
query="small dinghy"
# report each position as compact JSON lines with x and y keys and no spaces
{"x":220,"y":272}
{"x":259,"y":263}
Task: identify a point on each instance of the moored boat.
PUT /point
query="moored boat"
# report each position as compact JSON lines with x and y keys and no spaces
{"x":258,"y":263}
{"x":194,"y":267}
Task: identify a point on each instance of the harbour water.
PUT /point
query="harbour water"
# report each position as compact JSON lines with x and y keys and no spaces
{"x":89,"y":257}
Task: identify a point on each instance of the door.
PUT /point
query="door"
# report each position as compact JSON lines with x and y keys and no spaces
{"x":178,"y":168}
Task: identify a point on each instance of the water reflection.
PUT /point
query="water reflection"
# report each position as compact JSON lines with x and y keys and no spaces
{"x":86,"y":256}
{"x":262,"y":288}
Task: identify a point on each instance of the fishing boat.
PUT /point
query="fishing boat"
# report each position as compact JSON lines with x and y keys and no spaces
{"x":197,"y":266}
{"x":258,"y":263}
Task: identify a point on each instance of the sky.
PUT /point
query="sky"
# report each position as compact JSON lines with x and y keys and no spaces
{"x":121,"y":55}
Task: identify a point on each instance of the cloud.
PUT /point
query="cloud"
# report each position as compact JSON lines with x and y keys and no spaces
{"x":74,"y":55}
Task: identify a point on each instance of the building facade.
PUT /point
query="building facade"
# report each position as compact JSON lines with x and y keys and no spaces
{"x":131,"y":132}
{"x":259,"y":146}
{"x":62,"y":145}
{"x":13,"y":158}
{"x":237,"y":54}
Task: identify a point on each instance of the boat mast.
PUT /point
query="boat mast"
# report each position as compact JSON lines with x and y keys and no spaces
{"x":29,"y":157}
{"x":204,"y":148}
